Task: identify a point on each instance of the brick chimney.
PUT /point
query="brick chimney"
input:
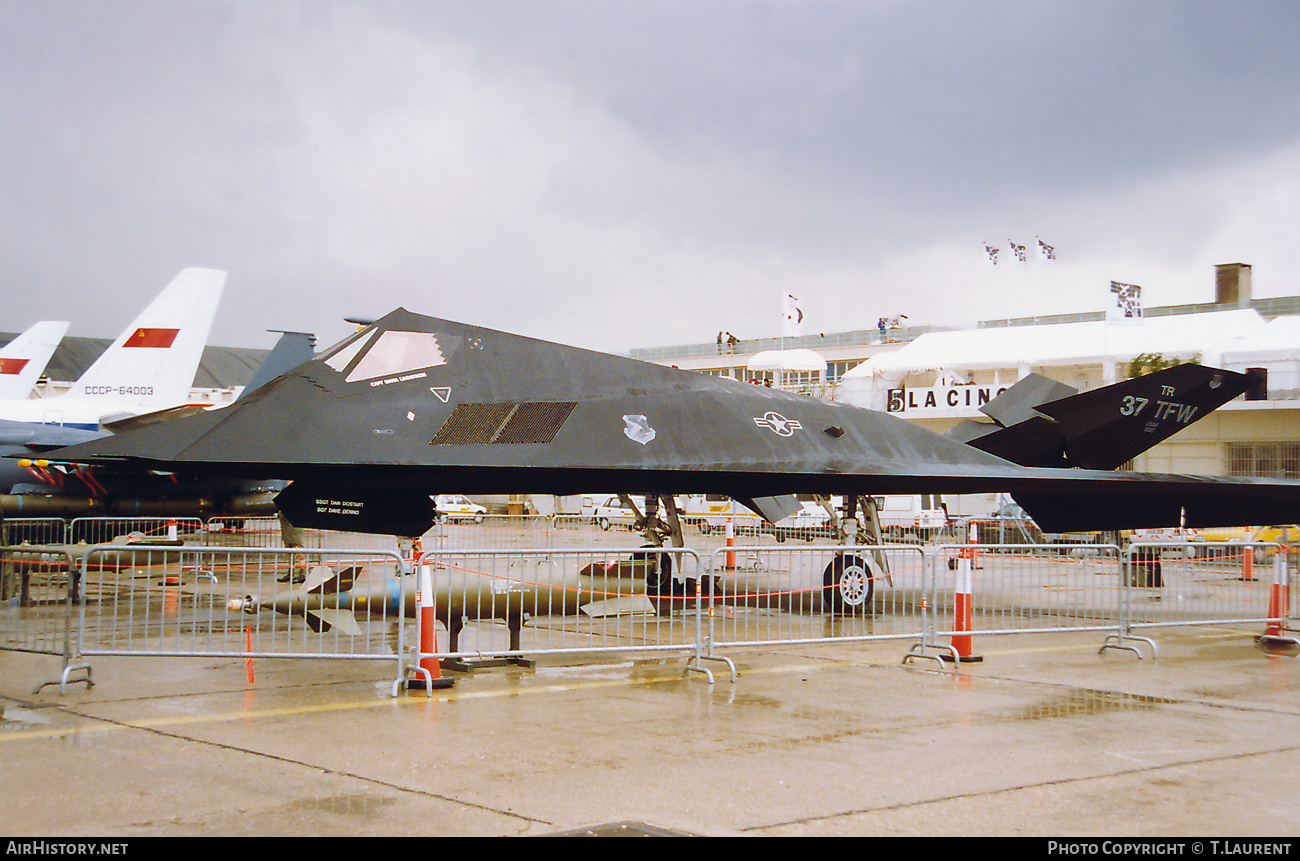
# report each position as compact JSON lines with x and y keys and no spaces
{"x":1232,"y":284}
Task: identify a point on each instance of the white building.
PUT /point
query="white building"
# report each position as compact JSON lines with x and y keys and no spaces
{"x":937,"y":378}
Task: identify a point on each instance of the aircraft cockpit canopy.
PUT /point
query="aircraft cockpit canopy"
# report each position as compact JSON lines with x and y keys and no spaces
{"x":386,"y":356}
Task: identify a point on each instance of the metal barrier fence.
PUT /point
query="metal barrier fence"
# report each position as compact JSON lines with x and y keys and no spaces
{"x":506,"y":605}
{"x":33,"y":530}
{"x":48,"y":531}
{"x":175,"y":600}
{"x":991,"y":589}
{"x":201,"y":601}
{"x":1018,"y":588}
{"x":246,"y":532}
{"x":761,"y":594}
{"x":510,"y":605}
{"x":268,"y":532}
{"x":37,"y":588}
{"x":526,"y":531}
{"x":156,"y":530}
{"x":1182,"y":584}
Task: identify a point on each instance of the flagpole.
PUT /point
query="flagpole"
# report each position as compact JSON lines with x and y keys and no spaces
{"x":785,"y":321}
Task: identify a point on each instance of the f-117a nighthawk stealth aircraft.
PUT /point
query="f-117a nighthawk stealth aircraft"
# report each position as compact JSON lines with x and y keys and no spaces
{"x":412,"y":405}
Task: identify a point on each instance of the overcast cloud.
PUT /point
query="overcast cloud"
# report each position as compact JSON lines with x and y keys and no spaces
{"x":624,"y":174}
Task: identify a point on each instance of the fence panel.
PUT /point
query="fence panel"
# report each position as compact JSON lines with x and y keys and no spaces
{"x":269,"y":532}
{"x":156,"y":530}
{"x":33,"y":530}
{"x":36,"y":599}
{"x":526,"y":532}
{"x":37,"y":596}
{"x":1191,"y":583}
{"x":208,"y":601}
{"x":574,"y":594}
{"x":508,"y":604}
{"x":227,"y":531}
{"x":1018,"y":588}
{"x":811,"y":593}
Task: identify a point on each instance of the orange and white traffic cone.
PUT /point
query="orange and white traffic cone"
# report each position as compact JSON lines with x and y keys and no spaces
{"x":731,"y":544}
{"x":963,"y":610}
{"x":248,"y":655}
{"x":1248,"y":564}
{"x":429,"y":662}
{"x":1275,"y":641}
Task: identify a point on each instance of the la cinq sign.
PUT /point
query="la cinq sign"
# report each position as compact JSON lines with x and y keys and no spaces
{"x":958,"y":400}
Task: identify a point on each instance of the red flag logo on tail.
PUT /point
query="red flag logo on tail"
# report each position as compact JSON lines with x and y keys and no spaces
{"x":11,"y":367}
{"x":152,"y":338}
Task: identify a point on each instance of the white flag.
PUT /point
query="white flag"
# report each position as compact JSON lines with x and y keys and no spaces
{"x":1018,"y":251}
{"x":991,"y":254}
{"x":1126,"y":303}
{"x":793,"y":317}
{"x":1045,"y":251}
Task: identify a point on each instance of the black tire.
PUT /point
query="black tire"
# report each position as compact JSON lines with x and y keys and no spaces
{"x":848,"y":585}
{"x":659,"y":585}
{"x":658,"y":574}
{"x":603,"y":523}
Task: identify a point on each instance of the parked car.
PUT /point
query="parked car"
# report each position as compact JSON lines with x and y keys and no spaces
{"x":453,"y":507}
{"x":612,"y":512}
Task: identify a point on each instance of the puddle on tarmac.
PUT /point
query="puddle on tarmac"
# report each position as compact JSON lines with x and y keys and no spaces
{"x":14,"y":716}
{"x":755,"y":700}
{"x":353,"y":805}
{"x":1089,"y":702}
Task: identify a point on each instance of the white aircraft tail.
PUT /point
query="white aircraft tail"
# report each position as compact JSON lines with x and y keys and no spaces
{"x":154,"y":361}
{"x":23,"y":360}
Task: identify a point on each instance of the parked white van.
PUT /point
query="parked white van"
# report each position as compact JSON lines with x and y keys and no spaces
{"x":710,"y":512}
{"x":918,"y":516}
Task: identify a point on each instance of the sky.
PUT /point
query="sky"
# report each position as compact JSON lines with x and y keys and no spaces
{"x":623,"y":174}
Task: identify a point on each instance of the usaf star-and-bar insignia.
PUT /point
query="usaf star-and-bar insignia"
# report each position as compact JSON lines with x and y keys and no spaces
{"x":777,"y":423}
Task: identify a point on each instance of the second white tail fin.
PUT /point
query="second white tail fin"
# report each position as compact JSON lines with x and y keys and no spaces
{"x":23,"y":359}
{"x":154,"y":361}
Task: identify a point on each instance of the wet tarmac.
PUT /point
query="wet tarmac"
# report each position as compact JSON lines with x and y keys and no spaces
{"x":1045,"y":737}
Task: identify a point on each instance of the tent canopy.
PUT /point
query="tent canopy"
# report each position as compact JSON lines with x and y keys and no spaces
{"x":787,"y":360}
{"x":1208,"y":335}
{"x":1279,"y":340}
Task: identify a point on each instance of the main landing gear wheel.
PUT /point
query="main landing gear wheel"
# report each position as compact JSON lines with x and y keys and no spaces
{"x":848,"y":584}
{"x":659,"y":585}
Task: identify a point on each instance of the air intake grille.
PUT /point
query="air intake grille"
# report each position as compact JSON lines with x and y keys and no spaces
{"x":473,"y":424}
{"x":534,"y":423}
{"x":481,"y":424}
